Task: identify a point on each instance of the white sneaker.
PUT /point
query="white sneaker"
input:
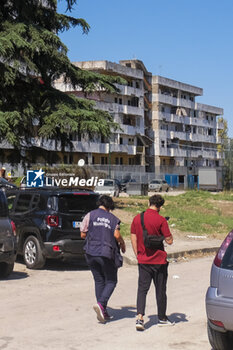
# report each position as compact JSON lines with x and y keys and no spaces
{"x":140,"y":325}
{"x":165,"y":322}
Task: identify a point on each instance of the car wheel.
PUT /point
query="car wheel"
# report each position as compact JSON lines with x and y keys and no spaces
{"x":6,"y":269}
{"x":32,"y":253}
{"x":218,"y":340}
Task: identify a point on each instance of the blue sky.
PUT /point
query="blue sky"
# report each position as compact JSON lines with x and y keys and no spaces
{"x":189,"y":41}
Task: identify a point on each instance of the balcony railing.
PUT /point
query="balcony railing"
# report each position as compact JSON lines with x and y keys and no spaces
{"x":130,"y":91}
{"x":117,"y":108}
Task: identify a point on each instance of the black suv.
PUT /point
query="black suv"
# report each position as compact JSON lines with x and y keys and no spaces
{"x":48,"y":221}
{"x":8,"y":239}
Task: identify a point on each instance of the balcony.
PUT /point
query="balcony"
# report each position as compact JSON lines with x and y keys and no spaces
{"x":117,"y":108}
{"x":171,"y":152}
{"x":170,"y":100}
{"x":177,"y":134}
{"x":202,"y":138}
{"x":129,"y":91}
{"x":129,"y":149}
{"x":132,"y":130}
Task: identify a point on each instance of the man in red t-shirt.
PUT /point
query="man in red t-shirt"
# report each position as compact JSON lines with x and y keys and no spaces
{"x":152,"y":263}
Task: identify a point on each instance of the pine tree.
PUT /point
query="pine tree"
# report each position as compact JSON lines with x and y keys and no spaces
{"x":32,"y":56}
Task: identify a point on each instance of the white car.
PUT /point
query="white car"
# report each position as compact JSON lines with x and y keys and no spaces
{"x":109,"y":188}
{"x":158,"y":185}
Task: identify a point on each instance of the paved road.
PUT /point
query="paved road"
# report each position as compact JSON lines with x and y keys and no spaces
{"x":52,"y":309}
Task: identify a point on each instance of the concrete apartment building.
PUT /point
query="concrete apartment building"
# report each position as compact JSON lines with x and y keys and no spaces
{"x":124,"y":153}
{"x":185,"y":132}
{"x":164,"y":132}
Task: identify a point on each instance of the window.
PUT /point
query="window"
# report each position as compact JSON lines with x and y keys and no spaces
{"x":128,"y":65}
{"x":3,"y":206}
{"x":10,"y":201}
{"x":130,"y":141}
{"x":137,"y":85}
{"x":121,"y":141}
{"x":116,"y":160}
{"x":163,"y":144}
{"x":65,"y":160}
{"x":93,"y":160}
{"x":121,"y":161}
{"x":131,"y":161}
{"x":116,"y":100}
{"x":23,"y":203}
{"x":120,"y":101}
{"x":104,"y":160}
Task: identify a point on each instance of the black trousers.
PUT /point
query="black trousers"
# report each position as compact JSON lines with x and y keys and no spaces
{"x":157,"y":273}
{"x":104,"y":272}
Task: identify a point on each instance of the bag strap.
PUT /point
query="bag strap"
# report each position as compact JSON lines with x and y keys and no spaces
{"x":142,"y":220}
{"x":145,"y":233}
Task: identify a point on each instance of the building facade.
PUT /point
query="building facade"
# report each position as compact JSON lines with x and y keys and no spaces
{"x":185,"y":132}
{"x":163,"y":131}
{"x":124,"y":153}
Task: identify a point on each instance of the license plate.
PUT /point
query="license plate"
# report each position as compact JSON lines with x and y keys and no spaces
{"x":76,"y":224}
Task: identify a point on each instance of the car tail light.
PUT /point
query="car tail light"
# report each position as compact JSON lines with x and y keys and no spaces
{"x":52,"y":220}
{"x":56,"y":248}
{"x":222,"y":250}
{"x":217,"y":323}
{"x":13,"y":228}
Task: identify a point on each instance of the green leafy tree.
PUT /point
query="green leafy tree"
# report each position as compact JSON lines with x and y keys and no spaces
{"x":32,"y":56}
{"x":226,"y":149}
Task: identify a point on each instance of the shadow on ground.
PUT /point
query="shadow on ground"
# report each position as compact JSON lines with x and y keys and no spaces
{"x":176,"y":317}
{"x":123,"y":312}
{"x":60,"y":265}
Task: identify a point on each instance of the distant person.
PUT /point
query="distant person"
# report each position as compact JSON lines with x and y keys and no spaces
{"x":103,"y":241}
{"x":152,"y":263}
{"x":3,"y":173}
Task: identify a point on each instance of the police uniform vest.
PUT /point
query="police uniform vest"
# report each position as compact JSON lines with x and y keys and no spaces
{"x":100,"y":239}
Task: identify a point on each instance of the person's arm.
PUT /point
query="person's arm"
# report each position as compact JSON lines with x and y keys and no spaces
{"x":166,"y":232}
{"x":84,"y":226}
{"x":134,"y":243}
{"x":169,"y":239}
{"x":120,"y":240}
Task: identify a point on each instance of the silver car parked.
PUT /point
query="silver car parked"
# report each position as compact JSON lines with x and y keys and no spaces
{"x":158,"y":185}
{"x":109,"y":188}
{"x":219,"y":298}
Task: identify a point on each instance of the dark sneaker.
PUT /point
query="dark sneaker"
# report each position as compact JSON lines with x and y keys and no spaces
{"x":99,"y":309}
{"x":165,"y":322}
{"x":107,"y":317}
{"x":140,"y":325}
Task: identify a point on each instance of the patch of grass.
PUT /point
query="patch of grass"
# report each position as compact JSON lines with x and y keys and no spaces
{"x":125,"y":230}
{"x":193,"y":211}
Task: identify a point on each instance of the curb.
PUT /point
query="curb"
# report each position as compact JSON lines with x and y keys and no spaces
{"x":186,"y":253}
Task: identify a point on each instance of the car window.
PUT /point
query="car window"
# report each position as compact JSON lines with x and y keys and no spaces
{"x":10,"y":201}
{"x":23,"y":203}
{"x":3,"y":205}
{"x":73,"y":203}
{"x":155,"y":182}
{"x":108,"y":183}
{"x":227,"y":262}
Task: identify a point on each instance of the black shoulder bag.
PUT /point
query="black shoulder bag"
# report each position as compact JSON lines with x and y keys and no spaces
{"x":151,"y":241}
